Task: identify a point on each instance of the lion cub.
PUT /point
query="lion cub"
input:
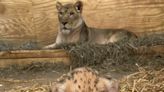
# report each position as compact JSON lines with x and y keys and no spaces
{"x":73,"y":28}
{"x":85,"y":80}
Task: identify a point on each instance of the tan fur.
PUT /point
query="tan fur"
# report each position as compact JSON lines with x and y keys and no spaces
{"x":73,"y":28}
{"x":85,"y":80}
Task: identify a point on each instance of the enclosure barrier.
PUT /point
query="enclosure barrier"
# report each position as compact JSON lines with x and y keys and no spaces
{"x":25,"y":57}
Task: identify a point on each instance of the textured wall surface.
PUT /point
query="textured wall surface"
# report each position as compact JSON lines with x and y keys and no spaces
{"x":23,"y":20}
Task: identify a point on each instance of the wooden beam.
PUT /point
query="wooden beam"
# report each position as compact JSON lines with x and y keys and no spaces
{"x":4,"y":63}
{"x":26,"y":57}
{"x":23,"y":54}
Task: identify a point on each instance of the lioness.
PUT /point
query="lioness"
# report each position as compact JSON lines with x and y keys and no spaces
{"x":73,"y":28}
{"x":85,"y":80}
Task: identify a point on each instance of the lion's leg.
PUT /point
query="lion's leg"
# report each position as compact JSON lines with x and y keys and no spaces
{"x":51,"y":46}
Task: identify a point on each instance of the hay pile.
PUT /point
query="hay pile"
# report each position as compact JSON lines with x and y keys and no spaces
{"x":122,"y":54}
{"x":144,"y":81}
{"x":35,"y":88}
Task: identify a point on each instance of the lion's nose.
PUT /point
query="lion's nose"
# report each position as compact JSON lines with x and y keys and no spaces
{"x":64,"y":23}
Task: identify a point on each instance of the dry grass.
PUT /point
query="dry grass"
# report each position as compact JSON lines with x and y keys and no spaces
{"x":35,"y":88}
{"x":122,"y":54}
{"x":144,"y":81}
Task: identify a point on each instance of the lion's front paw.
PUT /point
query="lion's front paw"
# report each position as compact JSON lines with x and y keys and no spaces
{"x":52,"y":46}
{"x":46,"y":47}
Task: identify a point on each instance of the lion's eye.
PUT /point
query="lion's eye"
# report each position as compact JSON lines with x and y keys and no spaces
{"x":71,"y":13}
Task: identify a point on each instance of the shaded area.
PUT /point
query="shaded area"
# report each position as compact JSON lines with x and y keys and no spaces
{"x":29,"y":45}
{"x":34,"y":75}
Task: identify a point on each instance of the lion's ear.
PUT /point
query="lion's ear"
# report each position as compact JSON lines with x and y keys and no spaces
{"x":79,"y":6}
{"x":58,"y":5}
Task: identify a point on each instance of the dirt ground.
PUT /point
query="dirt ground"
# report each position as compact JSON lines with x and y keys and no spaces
{"x":45,"y":74}
{"x":13,"y":78}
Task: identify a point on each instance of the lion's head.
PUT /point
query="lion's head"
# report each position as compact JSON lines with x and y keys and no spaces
{"x":69,"y":16}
